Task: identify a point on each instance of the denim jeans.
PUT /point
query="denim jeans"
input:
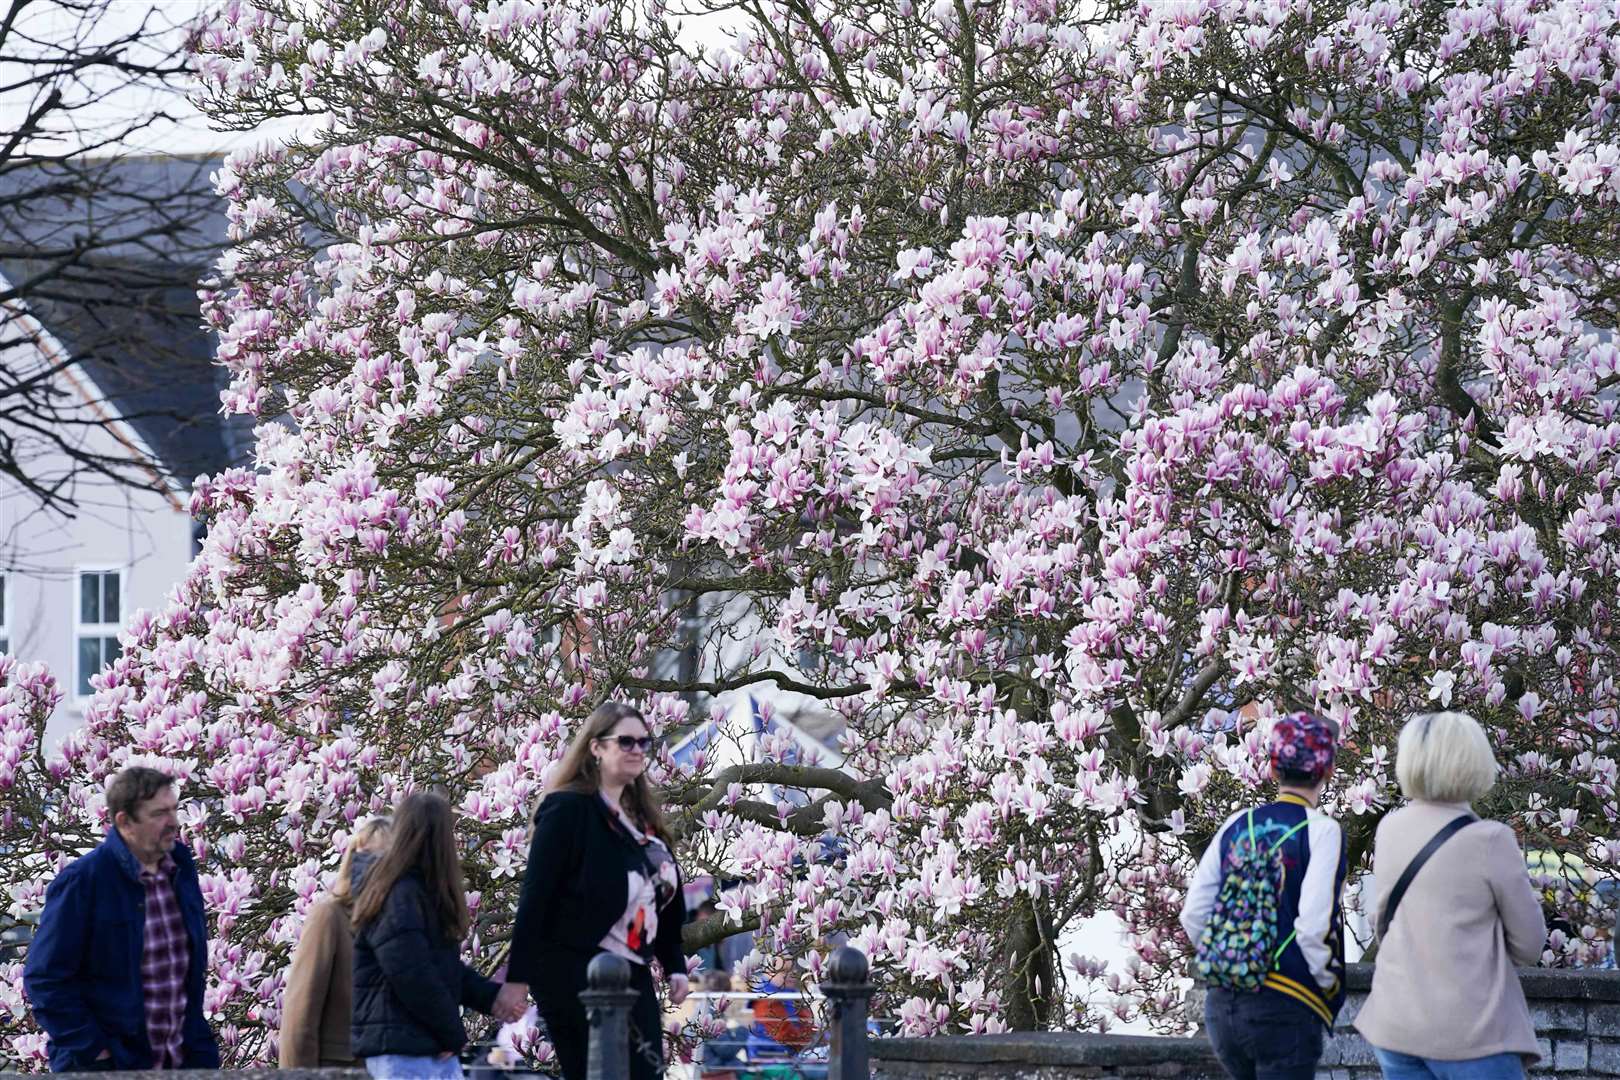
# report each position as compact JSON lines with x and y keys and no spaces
{"x":405,"y":1067}
{"x":1263,"y":1036}
{"x":1406,"y":1067}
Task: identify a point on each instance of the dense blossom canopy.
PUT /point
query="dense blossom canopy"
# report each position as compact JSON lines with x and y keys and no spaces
{"x":1079,"y":384}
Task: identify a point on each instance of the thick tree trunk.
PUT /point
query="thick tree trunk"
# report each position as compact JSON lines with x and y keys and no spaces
{"x":1031,"y":982}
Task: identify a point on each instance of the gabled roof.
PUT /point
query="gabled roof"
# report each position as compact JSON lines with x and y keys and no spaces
{"x":144,"y":345}
{"x":139,"y":209}
{"x":125,"y":309}
{"x":744,"y":721}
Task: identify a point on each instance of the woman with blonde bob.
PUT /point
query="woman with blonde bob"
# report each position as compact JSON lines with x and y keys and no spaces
{"x":1455,"y":913}
{"x":601,"y":878}
{"x":318,"y":1003}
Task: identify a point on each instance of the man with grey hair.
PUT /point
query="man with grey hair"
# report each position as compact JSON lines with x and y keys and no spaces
{"x":115,"y":973}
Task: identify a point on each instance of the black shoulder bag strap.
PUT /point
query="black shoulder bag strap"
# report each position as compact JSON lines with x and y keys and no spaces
{"x":1451,"y":829}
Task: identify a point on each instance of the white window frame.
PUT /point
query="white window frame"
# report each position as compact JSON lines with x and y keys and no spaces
{"x":101,"y":629}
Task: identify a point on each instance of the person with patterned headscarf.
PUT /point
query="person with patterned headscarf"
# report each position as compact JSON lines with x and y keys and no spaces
{"x":1276,"y":1027}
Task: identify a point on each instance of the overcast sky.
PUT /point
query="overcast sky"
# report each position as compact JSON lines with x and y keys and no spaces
{"x":47,"y":21}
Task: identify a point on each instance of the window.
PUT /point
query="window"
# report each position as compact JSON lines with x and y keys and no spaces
{"x":99,"y":613}
{"x":5,"y":616}
{"x":689,"y":640}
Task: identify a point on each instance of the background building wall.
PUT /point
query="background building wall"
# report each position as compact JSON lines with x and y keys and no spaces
{"x":145,"y":535}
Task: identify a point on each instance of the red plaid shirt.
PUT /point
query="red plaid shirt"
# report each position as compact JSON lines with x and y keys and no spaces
{"x":164,"y":964}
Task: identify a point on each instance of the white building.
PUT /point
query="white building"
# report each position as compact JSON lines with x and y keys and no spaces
{"x":132,"y":370}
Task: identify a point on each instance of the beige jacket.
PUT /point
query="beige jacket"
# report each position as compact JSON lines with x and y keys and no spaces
{"x":317,"y":1006}
{"x":1445,"y":986}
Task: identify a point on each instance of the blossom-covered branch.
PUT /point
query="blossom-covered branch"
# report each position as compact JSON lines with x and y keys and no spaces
{"x":1047,"y":393}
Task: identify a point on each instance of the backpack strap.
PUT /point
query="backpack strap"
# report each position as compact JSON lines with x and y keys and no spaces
{"x":1276,"y":956}
{"x":1280,"y":840}
{"x":1450,"y":829}
{"x":1284,"y":838}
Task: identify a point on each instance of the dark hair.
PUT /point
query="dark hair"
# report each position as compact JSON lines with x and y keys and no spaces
{"x":1296,"y":778}
{"x":577,"y":771}
{"x":424,"y":842}
{"x":133,"y":786}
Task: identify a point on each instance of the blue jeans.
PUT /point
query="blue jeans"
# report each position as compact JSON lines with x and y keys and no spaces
{"x":1406,"y":1067}
{"x":405,"y":1067}
{"x":1263,"y":1036}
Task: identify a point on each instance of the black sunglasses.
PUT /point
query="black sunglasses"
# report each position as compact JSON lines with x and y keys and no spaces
{"x":628,"y":743}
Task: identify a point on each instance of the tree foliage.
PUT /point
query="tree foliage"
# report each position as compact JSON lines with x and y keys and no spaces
{"x":1081,"y":384}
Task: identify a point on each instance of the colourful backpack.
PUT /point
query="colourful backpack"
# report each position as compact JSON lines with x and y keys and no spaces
{"x":1236,"y":948}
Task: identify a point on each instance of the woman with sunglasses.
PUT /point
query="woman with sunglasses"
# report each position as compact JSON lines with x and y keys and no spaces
{"x":601,"y":878}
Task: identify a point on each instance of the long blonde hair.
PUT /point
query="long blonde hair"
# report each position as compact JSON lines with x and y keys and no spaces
{"x":369,"y":837}
{"x":578,"y":771}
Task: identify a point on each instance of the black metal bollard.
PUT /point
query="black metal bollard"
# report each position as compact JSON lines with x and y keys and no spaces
{"x":607,"y":998}
{"x":848,"y":994}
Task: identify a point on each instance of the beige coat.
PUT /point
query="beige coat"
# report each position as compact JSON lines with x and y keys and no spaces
{"x":318,"y":1003}
{"x":1445,"y":986}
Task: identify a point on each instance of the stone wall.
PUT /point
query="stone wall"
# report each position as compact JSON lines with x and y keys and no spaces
{"x":1042,"y":1056}
{"x":1577,"y":1015}
{"x":255,"y":1074}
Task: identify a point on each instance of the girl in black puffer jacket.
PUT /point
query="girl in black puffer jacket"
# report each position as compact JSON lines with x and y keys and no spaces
{"x":409,"y":979}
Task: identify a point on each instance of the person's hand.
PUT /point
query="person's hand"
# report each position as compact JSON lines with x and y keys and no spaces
{"x":104,"y":1055}
{"x":511,"y":1003}
{"x":679,"y":987}
{"x":444,"y":1055}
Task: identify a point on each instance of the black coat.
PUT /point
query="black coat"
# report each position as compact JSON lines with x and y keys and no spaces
{"x":410,"y":982}
{"x":574,"y":890}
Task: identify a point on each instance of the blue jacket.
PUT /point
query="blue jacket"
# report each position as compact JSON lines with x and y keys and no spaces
{"x":83,"y":969}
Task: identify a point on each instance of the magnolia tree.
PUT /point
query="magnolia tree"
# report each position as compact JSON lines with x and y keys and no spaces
{"x":1083,"y":383}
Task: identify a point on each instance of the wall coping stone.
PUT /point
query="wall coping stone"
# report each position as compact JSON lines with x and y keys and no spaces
{"x":201,"y":1074}
{"x":1089,"y":1051}
{"x":1540,"y":984}
{"x":1047,"y":1048}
